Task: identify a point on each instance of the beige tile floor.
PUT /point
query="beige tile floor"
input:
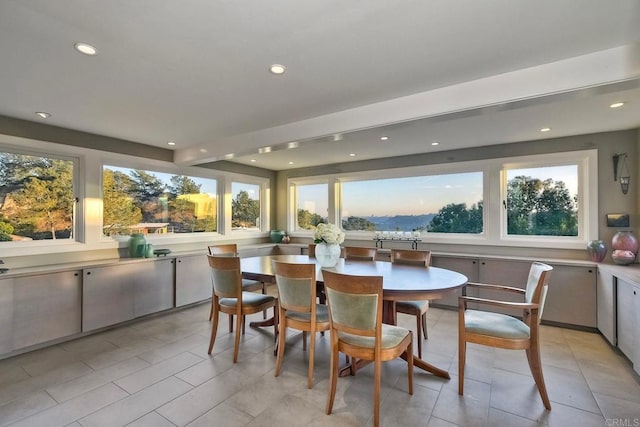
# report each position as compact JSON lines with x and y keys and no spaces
{"x":156,"y":372}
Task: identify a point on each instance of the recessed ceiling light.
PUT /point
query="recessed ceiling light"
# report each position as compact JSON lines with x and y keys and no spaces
{"x":290,"y":163}
{"x":352,"y":154}
{"x":229,"y":156}
{"x":545,"y":129}
{"x":171,"y":143}
{"x":203,"y":150}
{"x":43,"y":115}
{"x":384,"y":138}
{"x":277,"y":69}
{"x":264,"y":150}
{"x":616,"y":105}
{"x":253,"y":160}
{"x":435,"y":143}
{"x":85,"y":48}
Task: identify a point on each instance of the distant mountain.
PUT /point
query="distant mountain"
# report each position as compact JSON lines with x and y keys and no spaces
{"x":400,"y":222}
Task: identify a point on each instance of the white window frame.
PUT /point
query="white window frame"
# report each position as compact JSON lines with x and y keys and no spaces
{"x":494,"y":191}
{"x":587,"y":163}
{"x":292,"y":204}
{"x":28,"y":147}
{"x":265,"y":203}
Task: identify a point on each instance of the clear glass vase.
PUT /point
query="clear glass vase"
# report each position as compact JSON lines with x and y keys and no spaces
{"x":327,"y":254}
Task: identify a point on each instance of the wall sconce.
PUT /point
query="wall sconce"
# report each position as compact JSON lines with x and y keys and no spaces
{"x":624,"y":171}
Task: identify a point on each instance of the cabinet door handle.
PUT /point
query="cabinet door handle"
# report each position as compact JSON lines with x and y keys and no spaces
{"x":590,"y":271}
{"x":88,"y":273}
{"x":75,"y":274}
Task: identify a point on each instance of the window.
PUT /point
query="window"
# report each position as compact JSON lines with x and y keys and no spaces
{"x":148,"y":202}
{"x":37,"y":199}
{"x":245,"y":206}
{"x":542,"y":201}
{"x":445,"y":203}
{"x":311,"y":205}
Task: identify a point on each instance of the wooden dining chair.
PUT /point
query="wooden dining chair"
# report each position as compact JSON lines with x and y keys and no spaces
{"x":355,"y":316}
{"x":231,"y":249}
{"x":230,"y":298}
{"x":503,"y":331}
{"x":360,"y":253}
{"x":414,"y":308}
{"x":312,"y":250}
{"x":298,"y":308}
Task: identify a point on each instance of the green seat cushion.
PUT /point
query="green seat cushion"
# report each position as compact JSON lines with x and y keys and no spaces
{"x":322,"y":314}
{"x":416,"y":305}
{"x":391,"y":337}
{"x":248,"y":298}
{"x":495,"y":325}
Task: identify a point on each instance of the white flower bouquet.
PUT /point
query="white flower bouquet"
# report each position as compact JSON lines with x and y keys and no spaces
{"x":328,"y":233}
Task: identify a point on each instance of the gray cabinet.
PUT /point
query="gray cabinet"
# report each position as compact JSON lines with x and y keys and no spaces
{"x":116,"y":293}
{"x":193,"y":281}
{"x":39,"y":308}
{"x":284,"y":249}
{"x":571,"y":298}
{"x":466,"y":266}
{"x":606,"y":305}
{"x":154,"y":287}
{"x":628,"y":318}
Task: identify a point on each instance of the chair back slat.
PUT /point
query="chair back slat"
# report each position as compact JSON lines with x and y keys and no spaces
{"x":407,"y":257}
{"x":296,"y":286}
{"x":355,"y":303}
{"x":229,"y":249}
{"x":360,"y":253}
{"x":537,"y":285}
{"x":226,"y":276}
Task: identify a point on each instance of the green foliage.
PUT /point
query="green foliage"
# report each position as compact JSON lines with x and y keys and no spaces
{"x":308,"y":220}
{"x":358,"y":223}
{"x":456,"y":218}
{"x":6,"y":230}
{"x":536,"y":207}
{"x":119,"y":209}
{"x":45,"y":200}
{"x":245,"y":211}
{"x":181,"y":184}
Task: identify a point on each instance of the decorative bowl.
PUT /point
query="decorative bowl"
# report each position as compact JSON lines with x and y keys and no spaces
{"x":158,"y":252}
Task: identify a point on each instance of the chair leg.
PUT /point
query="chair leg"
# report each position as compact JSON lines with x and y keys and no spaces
{"x":230,"y":323}
{"x":264,"y":292}
{"x":281,"y":344}
{"x":214,"y":330}
{"x":333,"y":375}
{"x":304,"y":340}
{"x":410,"y":367}
{"x":424,"y":326}
{"x":462,"y":350}
{"x":419,"y":333}
{"x":211,"y":311}
{"x":311,"y":353}
{"x":376,"y":392}
{"x":236,"y":347}
{"x":533,"y":356}
{"x":244,"y":324}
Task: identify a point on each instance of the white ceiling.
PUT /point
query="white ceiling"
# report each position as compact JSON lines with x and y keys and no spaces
{"x":460,"y":72}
